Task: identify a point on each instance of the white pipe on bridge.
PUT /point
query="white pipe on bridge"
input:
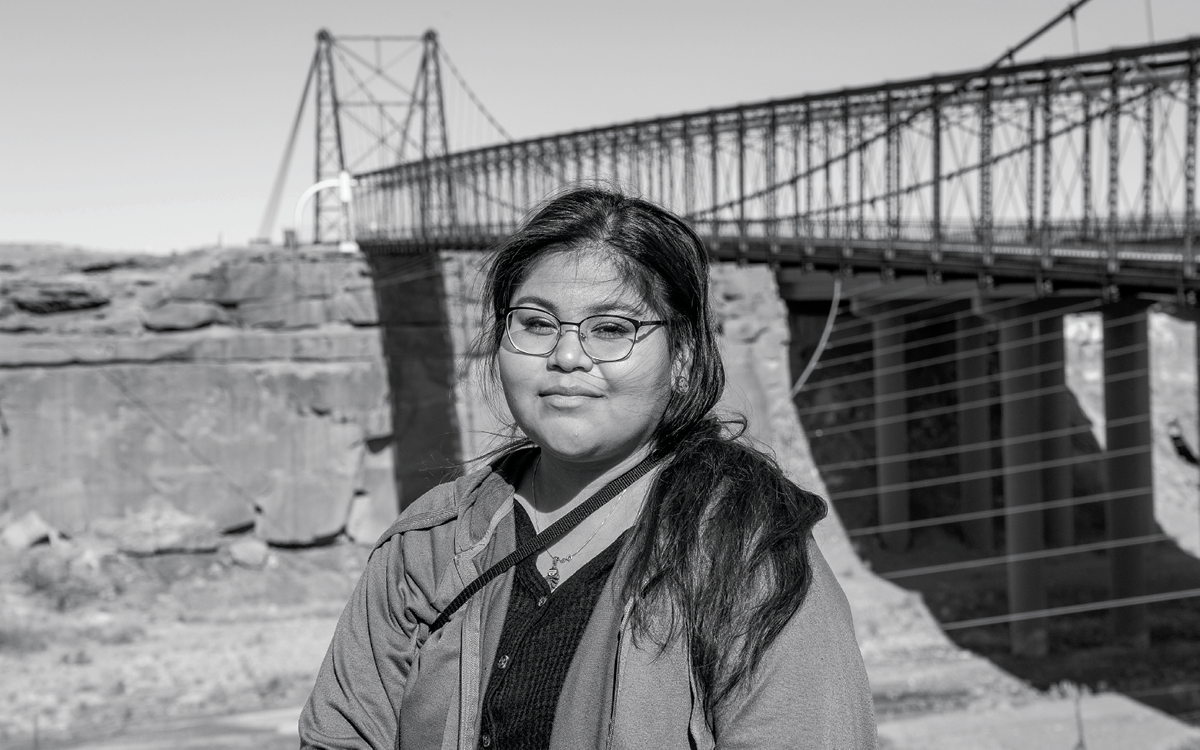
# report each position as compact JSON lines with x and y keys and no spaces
{"x":345,"y":185}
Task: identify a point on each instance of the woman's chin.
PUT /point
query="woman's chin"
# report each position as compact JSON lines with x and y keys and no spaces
{"x":585,"y":451}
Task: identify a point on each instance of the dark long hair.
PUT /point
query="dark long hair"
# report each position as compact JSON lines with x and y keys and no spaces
{"x":720,"y":553}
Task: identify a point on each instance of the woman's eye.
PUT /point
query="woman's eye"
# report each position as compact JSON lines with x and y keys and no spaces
{"x":611,"y":328}
{"x":539,"y":325}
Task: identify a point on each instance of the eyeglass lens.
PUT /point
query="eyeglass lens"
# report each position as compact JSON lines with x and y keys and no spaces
{"x":603,"y":337}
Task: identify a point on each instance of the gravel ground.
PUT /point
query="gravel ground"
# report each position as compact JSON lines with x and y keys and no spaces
{"x":128,"y":641}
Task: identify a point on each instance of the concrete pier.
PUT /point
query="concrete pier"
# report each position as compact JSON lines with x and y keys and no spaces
{"x":1020,"y":425}
{"x":1056,"y":425}
{"x":891,"y":425}
{"x":1130,"y":509}
{"x":974,"y":429}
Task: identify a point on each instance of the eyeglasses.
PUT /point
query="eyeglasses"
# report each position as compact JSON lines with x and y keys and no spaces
{"x":604,"y":338}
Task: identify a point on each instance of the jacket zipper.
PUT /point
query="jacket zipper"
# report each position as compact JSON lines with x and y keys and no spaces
{"x":618,"y":667}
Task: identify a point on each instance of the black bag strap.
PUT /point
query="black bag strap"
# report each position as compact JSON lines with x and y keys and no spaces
{"x":556,"y":529}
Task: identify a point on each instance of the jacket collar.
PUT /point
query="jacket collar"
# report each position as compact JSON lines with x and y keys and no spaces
{"x":484,"y":502}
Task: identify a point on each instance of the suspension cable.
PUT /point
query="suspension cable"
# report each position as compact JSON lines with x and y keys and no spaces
{"x":829,"y":321}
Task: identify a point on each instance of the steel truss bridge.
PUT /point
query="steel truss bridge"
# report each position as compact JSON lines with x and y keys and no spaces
{"x":1069,"y":171}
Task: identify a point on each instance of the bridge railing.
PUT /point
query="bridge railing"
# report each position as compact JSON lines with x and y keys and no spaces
{"x":1096,"y":150}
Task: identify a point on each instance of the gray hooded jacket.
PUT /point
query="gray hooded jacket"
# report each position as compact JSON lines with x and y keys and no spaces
{"x":386,"y":682}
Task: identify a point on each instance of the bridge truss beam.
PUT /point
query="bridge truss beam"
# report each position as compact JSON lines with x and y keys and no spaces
{"x":978,"y":173}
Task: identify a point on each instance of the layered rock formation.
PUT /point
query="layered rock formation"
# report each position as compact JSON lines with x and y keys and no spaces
{"x":242,"y":386}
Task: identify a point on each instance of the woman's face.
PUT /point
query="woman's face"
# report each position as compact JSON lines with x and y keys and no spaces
{"x":574,"y":408}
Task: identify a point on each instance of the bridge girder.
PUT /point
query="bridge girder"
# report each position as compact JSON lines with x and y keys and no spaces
{"x":1060,"y":168}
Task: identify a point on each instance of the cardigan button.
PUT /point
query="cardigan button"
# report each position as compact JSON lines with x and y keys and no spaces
{"x":486,"y":740}
{"x":541,"y":602}
{"x":503,"y":663}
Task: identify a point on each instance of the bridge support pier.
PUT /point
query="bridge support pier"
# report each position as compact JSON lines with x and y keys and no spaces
{"x":1020,"y":425}
{"x":974,"y":429}
{"x":891,"y":426}
{"x":1130,"y":507}
{"x":1057,"y":480}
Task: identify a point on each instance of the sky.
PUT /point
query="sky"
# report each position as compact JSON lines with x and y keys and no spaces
{"x":159,"y":125}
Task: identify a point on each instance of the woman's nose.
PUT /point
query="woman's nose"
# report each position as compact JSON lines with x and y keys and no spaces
{"x":568,"y":354}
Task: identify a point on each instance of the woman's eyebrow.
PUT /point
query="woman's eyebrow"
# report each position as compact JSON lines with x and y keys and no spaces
{"x":600,"y":308}
{"x":532,"y":300}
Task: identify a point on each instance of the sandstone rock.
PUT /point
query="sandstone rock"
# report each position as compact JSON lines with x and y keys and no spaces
{"x":55,"y":296}
{"x":225,"y":423}
{"x":307,"y":501}
{"x":343,"y":345}
{"x":23,"y":323}
{"x":215,"y":439}
{"x":365,"y":523}
{"x":356,"y":307}
{"x":195,"y":287}
{"x":182,"y":316}
{"x":159,"y":529}
{"x":106,"y":265}
{"x":277,"y":275}
{"x":25,"y":531}
{"x":249,"y":552}
{"x":115,"y":320}
{"x":284,"y":313}
{"x":375,"y":506}
{"x":211,"y":345}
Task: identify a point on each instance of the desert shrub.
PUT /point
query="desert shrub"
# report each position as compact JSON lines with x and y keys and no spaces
{"x":66,"y":581}
{"x":17,"y":638}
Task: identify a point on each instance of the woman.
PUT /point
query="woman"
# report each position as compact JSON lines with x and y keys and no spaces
{"x":691,"y":609}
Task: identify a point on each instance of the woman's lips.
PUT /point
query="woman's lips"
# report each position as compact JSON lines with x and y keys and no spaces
{"x":567,"y":395}
{"x":568,"y":391}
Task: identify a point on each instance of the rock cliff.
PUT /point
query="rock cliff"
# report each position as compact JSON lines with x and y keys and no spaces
{"x":245,"y":386}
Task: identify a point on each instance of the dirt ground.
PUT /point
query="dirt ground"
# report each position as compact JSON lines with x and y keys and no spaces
{"x":1165,"y":676}
{"x":146,"y":650}
{"x":93,"y":642}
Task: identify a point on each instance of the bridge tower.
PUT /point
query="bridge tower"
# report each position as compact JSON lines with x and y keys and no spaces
{"x":330,"y":153}
{"x":422,"y":137}
{"x":436,"y":194}
{"x":366,"y":119}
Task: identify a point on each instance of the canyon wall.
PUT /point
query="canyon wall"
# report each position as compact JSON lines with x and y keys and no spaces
{"x":251,"y":386}
{"x":312,"y":394}
{"x":242,"y":386}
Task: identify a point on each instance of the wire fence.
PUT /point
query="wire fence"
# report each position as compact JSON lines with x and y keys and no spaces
{"x":917,"y":401}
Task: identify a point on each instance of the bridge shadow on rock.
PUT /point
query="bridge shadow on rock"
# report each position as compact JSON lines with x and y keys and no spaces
{"x":965,"y":574}
{"x":414,"y":325}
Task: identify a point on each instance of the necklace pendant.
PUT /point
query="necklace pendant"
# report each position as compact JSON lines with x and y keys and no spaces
{"x":552,"y":574}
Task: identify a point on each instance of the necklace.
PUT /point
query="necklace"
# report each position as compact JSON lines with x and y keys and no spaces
{"x":552,"y":575}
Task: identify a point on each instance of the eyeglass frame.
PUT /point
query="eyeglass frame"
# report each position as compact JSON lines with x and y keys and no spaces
{"x":637,"y":327}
